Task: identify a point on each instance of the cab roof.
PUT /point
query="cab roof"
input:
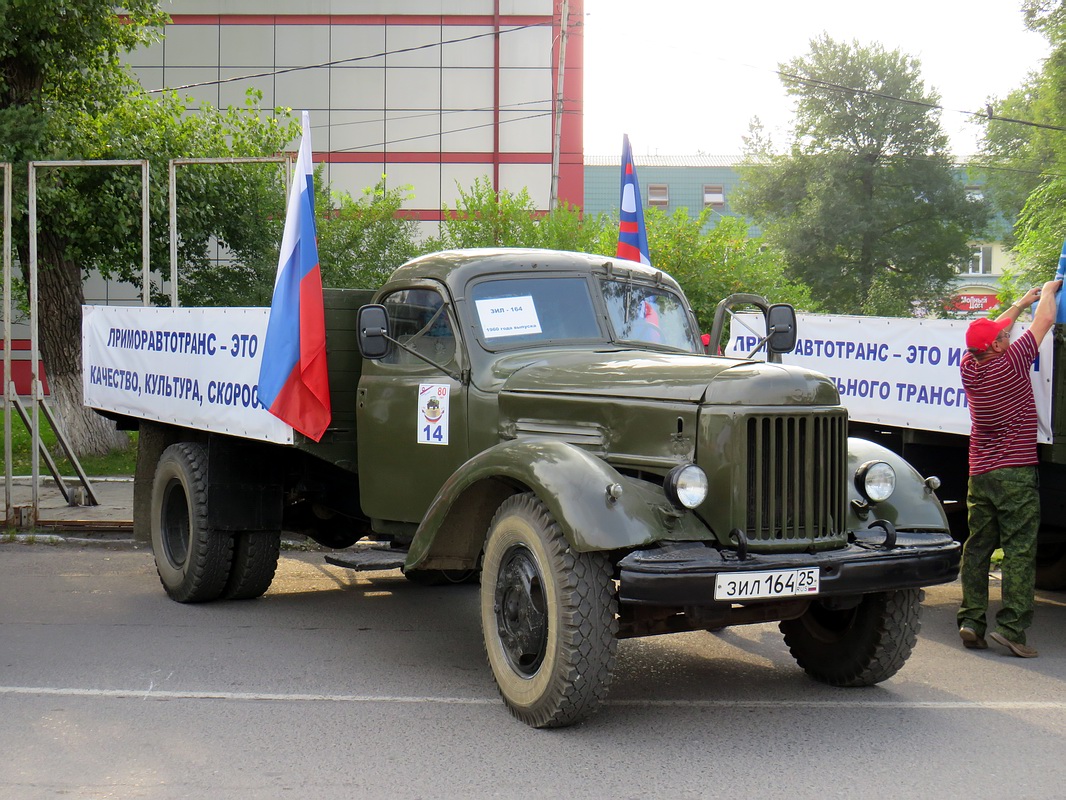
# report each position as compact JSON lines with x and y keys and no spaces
{"x":456,"y":267}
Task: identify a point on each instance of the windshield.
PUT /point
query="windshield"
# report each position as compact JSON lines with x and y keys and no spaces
{"x":522,"y":310}
{"x":643,"y":313}
{"x":517,"y":311}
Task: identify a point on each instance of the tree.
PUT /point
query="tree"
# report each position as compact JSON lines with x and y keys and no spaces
{"x":361,"y":242}
{"x":65,"y":95}
{"x":1025,"y":176}
{"x":714,"y":264}
{"x":865,"y":207}
{"x":484,"y":217}
{"x":708,"y":264}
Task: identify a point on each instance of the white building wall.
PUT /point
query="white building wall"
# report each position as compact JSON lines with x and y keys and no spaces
{"x":416,"y":90}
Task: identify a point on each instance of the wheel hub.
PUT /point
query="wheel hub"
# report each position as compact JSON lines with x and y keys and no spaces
{"x":175,"y":523}
{"x":521,"y":618}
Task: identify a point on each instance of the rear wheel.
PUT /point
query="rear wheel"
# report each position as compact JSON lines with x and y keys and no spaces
{"x":548,"y":616}
{"x":858,"y":646}
{"x":193,"y":562}
{"x":255,"y":560}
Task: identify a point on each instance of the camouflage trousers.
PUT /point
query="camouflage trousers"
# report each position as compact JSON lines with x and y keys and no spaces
{"x":1003,"y":508}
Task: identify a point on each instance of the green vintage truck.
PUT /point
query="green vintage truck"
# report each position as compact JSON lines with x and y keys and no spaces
{"x":549,"y":424}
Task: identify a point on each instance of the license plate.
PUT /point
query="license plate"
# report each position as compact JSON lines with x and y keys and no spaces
{"x":764,"y":585}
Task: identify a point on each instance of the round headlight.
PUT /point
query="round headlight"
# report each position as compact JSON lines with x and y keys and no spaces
{"x":875,"y":480}
{"x":686,"y":486}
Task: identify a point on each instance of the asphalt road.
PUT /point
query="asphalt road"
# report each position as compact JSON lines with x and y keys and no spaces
{"x":348,"y":686}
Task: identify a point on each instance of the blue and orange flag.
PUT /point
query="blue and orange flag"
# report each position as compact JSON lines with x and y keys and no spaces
{"x":632,"y":239}
{"x":293,"y":381}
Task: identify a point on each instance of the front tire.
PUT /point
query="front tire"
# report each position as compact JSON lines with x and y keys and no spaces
{"x":857,"y":646}
{"x":193,"y":562}
{"x":548,"y":616}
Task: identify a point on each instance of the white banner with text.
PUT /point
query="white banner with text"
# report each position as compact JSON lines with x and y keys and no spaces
{"x":894,"y":371}
{"x":194,"y":367}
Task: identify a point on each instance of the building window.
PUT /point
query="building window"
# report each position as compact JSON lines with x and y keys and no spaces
{"x":980,"y":261}
{"x":713,"y":196}
{"x":658,"y":194}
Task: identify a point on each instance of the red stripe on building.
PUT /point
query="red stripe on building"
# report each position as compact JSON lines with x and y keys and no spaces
{"x":449,"y":157}
{"x":448,"y":20}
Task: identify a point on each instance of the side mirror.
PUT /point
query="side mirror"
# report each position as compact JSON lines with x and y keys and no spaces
{"x":372,"y":323}
{"x":781,"y":328}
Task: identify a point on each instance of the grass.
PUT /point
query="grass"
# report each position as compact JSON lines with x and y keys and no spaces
{"x":117,"y":462}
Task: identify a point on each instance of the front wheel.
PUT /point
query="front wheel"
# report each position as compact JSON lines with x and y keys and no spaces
{"x":859,"y":645}
{"x":193,"y":562}
{"x":548,"y":616}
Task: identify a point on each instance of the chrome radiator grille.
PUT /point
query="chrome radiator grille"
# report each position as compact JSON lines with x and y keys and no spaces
{"x":796,"y":477}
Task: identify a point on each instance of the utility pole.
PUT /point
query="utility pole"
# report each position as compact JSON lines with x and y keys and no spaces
{"x":564,"y":27}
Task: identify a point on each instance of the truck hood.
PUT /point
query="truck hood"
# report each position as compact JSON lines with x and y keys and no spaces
{"x":677,"y":377}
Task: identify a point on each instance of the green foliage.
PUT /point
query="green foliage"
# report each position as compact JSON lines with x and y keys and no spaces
{"x":709,"y":265}
{"x":224,"y":257}
{"x":865,"y":208}
{"x":722,"y":261}
{"x":63,"y":53}
{"x":64,"y":94}
{"x":361,"y":242}
{"x":486,"y":218}
{"x":1026,"y":181}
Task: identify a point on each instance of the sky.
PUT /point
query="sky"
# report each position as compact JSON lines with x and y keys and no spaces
{"x":687,"y":76}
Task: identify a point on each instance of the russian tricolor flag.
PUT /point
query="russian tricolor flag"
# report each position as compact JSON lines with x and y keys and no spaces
{"x":632,"y":239}
{"x":293,"y":381}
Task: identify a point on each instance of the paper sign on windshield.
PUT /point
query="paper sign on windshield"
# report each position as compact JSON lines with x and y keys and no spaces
{"x":508,"y":316}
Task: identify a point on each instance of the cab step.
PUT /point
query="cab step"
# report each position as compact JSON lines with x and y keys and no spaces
{"x":368,"y":558}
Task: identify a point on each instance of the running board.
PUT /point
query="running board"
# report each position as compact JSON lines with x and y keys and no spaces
{"x":368,"y":559}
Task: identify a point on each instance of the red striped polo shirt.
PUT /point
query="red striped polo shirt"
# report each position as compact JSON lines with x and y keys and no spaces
{"x":1002,"y":407}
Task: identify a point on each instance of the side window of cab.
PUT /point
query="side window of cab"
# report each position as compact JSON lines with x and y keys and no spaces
{"x":419,"y":319}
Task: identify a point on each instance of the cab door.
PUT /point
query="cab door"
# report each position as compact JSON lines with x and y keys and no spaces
{"x":411,"y":415}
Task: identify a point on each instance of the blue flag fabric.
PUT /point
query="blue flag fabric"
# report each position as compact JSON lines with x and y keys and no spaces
{"x":632,"y":238}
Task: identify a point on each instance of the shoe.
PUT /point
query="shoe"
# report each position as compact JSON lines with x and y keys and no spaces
{"x":971,"y":639}
{"x":1019,"y":649}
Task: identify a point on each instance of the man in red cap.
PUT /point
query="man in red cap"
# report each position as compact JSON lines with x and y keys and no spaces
{"x":1002,"y":501}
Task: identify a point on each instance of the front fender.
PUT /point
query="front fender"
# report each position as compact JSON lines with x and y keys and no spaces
{"x":569,"y":481}
{"x":911,"y":507}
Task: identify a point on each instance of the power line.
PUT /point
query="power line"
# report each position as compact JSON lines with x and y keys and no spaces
{"x":441,"y":133}
{"x":353,"y":59}
{"x":438,"y":113}
{"x":986,"y":114}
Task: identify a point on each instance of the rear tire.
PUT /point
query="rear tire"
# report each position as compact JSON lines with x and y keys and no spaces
{"x":857,"y":646}
{"x":193,"y":562}
{"x":548,"y":617}
{"x":255,"y":560}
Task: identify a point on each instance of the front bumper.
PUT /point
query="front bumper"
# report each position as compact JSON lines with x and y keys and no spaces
{"x":684,"y":573}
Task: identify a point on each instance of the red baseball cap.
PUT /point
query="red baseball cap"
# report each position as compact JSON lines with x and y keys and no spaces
{"x":982,"y":332}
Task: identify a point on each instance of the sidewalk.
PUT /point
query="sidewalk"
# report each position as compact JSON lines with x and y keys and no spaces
{"x":114,"y":514}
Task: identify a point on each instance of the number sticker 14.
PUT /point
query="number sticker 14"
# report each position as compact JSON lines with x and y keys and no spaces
{"x":433,"y":418}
